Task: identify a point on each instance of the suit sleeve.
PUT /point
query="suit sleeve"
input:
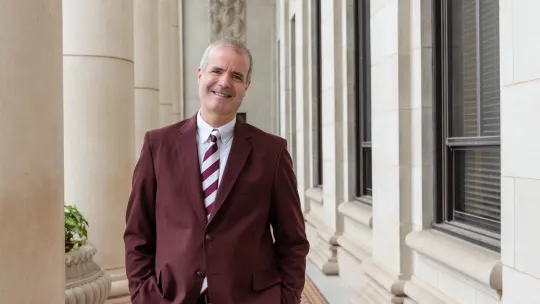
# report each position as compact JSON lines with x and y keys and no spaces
{"x":140,"y":232}
{"x":291,"y":244}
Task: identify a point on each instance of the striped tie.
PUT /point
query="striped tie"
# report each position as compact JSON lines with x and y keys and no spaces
{"x":210,"y":179}
{"x":210,"y":172}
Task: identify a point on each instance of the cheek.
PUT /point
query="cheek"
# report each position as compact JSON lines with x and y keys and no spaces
{"x":240,"y":90}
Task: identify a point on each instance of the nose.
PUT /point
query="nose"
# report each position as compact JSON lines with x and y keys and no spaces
{"x":224,"y":80}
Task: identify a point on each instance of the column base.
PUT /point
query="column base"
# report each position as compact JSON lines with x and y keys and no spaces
{"x":380,"y":285}
{"x":324,"y":245}
{"x":119,"y":289}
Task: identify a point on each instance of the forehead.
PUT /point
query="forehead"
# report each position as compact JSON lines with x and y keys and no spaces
{"x":226,"y":56}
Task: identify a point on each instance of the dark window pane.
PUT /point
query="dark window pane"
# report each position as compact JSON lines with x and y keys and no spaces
{"x":367,"y":69}
{"x":463,"y":60}
{"x":318,"y":86}
{"x":474,"y":56}
{"x":367,"y":172}
{"x":489,"y":66}
{"x":477,"y":175}
{"x":292,"y":105}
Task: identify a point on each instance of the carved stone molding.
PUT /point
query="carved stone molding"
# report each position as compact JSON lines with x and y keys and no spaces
{"x":228,"y":19}
{"x":86,"y":282}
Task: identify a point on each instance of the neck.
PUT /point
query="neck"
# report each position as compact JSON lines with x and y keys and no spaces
{"x":216,"y":121}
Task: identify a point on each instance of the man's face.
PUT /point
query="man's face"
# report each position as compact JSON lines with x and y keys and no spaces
{"x":223,"y":83}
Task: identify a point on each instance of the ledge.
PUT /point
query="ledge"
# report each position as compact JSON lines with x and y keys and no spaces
{"x":120,"y":287}
{"x":473,"y":261}
{"x":414,"y":290}
{"x":353,"y":248}
{"x":358,"y":212}
{"x":392,"y":285}
{"x":322,"y":229}
{"x":315,"y":194}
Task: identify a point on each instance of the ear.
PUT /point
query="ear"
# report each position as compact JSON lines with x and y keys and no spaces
{"x":247,"y":85}
{"x":199,"y":74}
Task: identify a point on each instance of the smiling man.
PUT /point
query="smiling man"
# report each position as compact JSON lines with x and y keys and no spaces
{"x":214,"y":215}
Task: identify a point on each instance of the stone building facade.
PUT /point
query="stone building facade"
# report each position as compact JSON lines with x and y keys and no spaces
{"x":411,"y":123}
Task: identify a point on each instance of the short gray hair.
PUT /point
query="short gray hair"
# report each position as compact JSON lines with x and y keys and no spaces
{"x":234,"y":43}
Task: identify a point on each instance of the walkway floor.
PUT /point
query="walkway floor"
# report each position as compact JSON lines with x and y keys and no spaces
{"x":332,"y":287}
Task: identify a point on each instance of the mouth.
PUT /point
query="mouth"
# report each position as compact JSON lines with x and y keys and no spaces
{"x":222,"y":95}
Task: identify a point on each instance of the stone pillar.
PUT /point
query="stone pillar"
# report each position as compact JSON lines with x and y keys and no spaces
{"x":324,"y":201}
{"x":391,"y":133}
{"x":196,"y":40}
{"x":165,"y":64}
{"x":31,"y":158}
{"x":145,"y":52}
{"x":99,"y":122}
{"x":520,"y":165}
{"x":175,"y":61}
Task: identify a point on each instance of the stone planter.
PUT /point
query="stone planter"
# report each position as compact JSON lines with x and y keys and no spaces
{"x":86,"y":282}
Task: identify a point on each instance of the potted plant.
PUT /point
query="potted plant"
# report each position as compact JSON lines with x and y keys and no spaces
{"x":75,"y":228}
{"x":86,"y":282}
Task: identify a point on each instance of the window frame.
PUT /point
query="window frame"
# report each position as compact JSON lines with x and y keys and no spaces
{"x":292,"y":78}
{"x":478,"y":233}
{"x":362,"y":90}
{"x":318,"y":178}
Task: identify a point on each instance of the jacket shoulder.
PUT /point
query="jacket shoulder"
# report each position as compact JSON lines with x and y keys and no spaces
{"x":164,"y":134}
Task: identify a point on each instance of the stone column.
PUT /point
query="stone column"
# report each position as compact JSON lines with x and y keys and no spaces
{"x":391,"y":133}
{"x":324,"y":202}
{"x":99,"y":122}
{"x":145,"y":52}
{"x":31,"y":158}
{"x":175,"y":61}
{"x":196,"y":40}
{"x":165,"y":64}
{"x":520,"y":165}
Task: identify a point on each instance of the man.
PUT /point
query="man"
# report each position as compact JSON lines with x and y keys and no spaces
{"x":214,"y":215}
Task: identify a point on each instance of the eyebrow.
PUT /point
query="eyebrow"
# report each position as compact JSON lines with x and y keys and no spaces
{"x":221,"y":70}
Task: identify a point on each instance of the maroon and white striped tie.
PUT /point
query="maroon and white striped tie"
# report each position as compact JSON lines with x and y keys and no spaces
{"x":210,"y":172}
{"x":210,"y":179}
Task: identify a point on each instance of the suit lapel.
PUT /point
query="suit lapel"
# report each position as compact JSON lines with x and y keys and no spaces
{"x":235,"y":163}
{"x":189,"y":171}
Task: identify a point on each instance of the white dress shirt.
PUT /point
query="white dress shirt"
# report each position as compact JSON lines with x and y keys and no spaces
{"x":224,"y":143}
{"x":224,"y":147}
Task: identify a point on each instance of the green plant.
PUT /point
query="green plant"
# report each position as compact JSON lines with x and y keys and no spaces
{"x":75,"y":228}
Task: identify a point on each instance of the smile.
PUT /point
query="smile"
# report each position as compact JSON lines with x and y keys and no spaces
{"x":221,"y":94}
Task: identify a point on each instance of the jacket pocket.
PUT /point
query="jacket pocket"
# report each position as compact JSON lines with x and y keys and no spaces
{"x":158,"y":279}
{"x":265,"y":279}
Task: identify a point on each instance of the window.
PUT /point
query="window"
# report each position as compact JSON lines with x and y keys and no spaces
{"x":467,"y":119}
{"x":292,"y":104}
{"x":242,"y":116}
{"x":317,"y":90}
{"x":278,"y":93}
{"x":363,"y":100}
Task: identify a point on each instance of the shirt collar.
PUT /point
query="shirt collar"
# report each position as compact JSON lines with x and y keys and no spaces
{"x":203,"y":129}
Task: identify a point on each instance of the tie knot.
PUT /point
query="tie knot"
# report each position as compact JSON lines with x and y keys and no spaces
{"x":214,"y":135}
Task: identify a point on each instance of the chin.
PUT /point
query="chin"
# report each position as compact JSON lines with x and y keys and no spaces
{"x":219,"y":107}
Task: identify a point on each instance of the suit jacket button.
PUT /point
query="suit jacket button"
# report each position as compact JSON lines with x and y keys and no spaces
{"x":208,"y":237}
{"x":200,"y":274}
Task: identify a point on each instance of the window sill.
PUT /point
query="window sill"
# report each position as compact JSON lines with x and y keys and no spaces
{"x":480,"y":264}
{"x":483,"y":238}
{"x":366,"y":200}
{"x":358,"y":212}
{"x":315,"y":194}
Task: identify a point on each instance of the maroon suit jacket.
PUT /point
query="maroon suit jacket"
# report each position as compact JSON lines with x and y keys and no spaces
{"x":170,"y":245}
